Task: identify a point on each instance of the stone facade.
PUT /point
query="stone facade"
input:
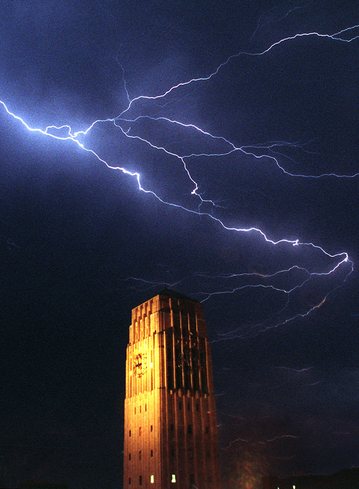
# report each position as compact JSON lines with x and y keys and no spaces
{"x":171,"y":437}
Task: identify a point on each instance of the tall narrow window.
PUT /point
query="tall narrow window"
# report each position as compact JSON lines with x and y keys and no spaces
{"x":140,"y":480}
{"x":140,"y":455}
{"x":152,"y":479}
{"x":195,"y":370}
{"x":187,"y":376}
{"x":151,"y":453}
{"x":129,"y":481}
{"x":179,"y":376}
{"x":129,"y":433}
{"x":140,"y":431}
{"x":170,"y":383}
{"x":173,"y":478}
{"x":204,"y":381}
{"x":189,"y":429}
{"x":129,"y":456}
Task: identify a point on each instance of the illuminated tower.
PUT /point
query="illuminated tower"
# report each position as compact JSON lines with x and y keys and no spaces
{"x":171,"y":437}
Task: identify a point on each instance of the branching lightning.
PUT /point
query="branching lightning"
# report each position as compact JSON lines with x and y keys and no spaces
{"x":338,"y":265}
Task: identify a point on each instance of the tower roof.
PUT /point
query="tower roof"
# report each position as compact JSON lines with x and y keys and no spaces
{"x":172,"y":293}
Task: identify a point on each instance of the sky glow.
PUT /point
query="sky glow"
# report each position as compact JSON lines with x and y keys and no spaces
{"x":338,"y":260}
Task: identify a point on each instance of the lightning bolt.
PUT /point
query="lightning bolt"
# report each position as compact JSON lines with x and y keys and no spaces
{"x":333,"y":268}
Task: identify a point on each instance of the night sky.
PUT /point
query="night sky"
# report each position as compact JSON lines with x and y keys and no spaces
{"x":265,"y":136}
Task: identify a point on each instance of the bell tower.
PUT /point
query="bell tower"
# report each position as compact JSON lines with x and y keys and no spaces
{"x":171,"y":437}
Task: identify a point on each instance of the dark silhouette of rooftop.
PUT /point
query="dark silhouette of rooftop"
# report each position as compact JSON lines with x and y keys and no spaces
{"x":172,"y":293}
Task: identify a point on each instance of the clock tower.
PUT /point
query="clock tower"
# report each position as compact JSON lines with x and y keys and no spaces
{"x":171,"y":437}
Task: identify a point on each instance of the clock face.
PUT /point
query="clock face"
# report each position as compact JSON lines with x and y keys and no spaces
{"x":140,"y":364}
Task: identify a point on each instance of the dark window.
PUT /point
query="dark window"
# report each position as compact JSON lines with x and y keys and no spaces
{"x":172,"y":427}
{"x":207,"y":430}
{"x":151,"y":428}
{"x":129,"y":456}
{"x":140,"y":455}
{"x":180,"y":406}
{"x":204,"y":381}
{"x":172,"y":452}
{"x":179,"y":384}
{"x":202,"y":347}
{"x":203,"y":363}
{"x":195,"y":377}
{"x":140,"y":480}
{"x":129,"y":481}
{"x":176,"y":322}
{"x":188,"y":406}
{"x":151,"y":453}
{"x":129,"y":433}
{"x":140,"y":431}
{"x":169,"y":353}
{"x":192,"y":479}
{"x":169,"y":346}
{"x":170,"y":383}
{"x":208,"y":454}
{"x":187,"y":376}
{"x":197,"y":407}
{"x":184,"y":321}
{"x":189,"y":429}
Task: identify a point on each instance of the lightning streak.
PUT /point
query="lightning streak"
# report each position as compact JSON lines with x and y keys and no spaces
{"x":243,"y":440}
{"x":279,"y":438}
{"x":337,"y":265}
{"x":338,"y":36}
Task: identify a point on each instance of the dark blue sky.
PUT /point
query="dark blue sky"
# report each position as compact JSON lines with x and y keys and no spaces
{"x":80,"y":244}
